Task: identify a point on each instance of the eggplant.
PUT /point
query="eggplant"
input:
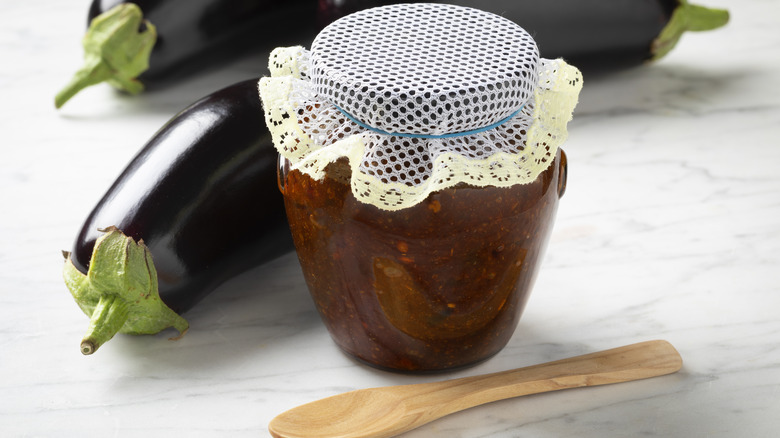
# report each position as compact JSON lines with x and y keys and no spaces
{"x":151,"y":43}
{"x":594,"y":35}
{"x":196,"y":206}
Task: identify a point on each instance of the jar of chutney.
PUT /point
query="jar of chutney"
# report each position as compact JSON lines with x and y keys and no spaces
{"x":421,"y":168}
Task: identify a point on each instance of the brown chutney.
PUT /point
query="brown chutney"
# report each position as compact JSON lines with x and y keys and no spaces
{"x":435,"y":286}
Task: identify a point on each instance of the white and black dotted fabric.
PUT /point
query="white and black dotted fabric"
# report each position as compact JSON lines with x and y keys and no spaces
{"x":425,"y":68}
{"x":418,"y":98}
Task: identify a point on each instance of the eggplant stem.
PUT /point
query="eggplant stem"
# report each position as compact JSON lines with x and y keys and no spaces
{"x":91,"y":74}
{"x":119,"y":292}
{"x":701,"y":18}
{"x":108,"y":318}
{"x":686,"y":17}
{"x":87,"y":347}
{"x":117,"y":48}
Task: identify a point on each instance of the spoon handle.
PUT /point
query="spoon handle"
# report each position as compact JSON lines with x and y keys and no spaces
{"x":631,"y":362}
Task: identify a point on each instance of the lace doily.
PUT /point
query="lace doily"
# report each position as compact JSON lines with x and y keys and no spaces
{"x":418,"y":98}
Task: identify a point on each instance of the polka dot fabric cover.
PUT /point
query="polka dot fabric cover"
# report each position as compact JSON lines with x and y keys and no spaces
{"x":411,"y":94}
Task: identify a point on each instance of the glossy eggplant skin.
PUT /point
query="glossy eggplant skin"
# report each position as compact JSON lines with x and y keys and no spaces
{"x":200,"y":34}
{"x":203,"y":196}
{"x":591,"y":34}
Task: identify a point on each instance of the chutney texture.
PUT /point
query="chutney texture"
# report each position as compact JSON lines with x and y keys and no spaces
{"x":436,"y":286}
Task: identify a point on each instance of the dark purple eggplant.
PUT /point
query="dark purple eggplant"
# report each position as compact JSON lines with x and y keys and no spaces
{"x":594,"y":35}
{"x":150,"y":43}
{"x":198,"y":205}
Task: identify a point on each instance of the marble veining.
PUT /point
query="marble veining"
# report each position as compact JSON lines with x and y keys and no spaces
{"x":668,"y":229}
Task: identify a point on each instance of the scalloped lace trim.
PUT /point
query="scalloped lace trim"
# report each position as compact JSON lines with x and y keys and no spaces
{"x":392,"y":172}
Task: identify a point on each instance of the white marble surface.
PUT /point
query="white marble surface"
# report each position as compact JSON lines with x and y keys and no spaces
{"x":669,"y":229}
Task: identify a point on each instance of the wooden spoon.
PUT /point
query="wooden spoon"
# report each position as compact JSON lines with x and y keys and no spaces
{"x":391,"y":410}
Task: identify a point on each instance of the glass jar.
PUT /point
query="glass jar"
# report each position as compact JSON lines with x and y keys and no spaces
{"x":435,"y":286}
{"x":421,"y":169}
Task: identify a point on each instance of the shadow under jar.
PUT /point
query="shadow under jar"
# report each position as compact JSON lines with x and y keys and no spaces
{"x":435,"y":286}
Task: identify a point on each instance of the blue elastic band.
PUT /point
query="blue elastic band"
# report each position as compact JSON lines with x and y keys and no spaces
{"x":426,"y":136}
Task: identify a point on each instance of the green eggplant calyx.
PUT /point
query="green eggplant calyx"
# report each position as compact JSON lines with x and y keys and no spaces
{"x":686,"y":17}
{"x":119,"y":292}
{"x":116,"y":50}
